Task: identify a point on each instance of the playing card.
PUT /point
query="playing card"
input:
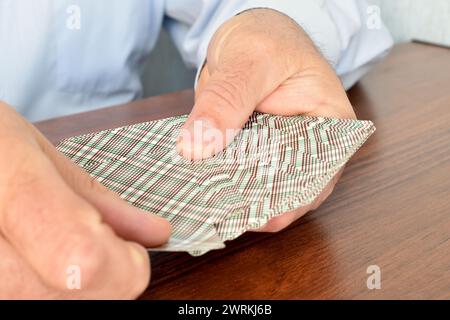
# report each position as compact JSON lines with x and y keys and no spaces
{"x":274,"y":165}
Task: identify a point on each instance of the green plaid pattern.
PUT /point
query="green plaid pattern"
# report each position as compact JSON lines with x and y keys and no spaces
{"x":276,"y":164}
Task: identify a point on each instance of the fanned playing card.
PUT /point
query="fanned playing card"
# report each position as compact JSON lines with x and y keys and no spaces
{"x":275,"y":164}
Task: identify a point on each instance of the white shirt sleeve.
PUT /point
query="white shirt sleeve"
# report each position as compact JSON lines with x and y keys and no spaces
{"x":348,"y":33}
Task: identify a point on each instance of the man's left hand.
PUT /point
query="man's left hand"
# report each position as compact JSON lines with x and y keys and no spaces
{"x":261,"y":60}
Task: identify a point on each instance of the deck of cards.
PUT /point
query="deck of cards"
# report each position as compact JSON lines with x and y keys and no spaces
{"x":274,"y":165}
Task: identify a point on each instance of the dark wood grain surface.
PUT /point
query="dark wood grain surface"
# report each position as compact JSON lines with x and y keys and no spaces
{"x":391,"y":207}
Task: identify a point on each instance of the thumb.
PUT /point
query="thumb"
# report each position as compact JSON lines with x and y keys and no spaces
{"x":223,"y":105}
{"x":234,"y":86}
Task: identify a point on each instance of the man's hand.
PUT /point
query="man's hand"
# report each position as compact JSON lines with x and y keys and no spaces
{"x":56,"y":221}
{"x":261,"y":60}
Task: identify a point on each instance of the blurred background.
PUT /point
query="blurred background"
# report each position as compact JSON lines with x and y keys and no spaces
{"x":406,"y":19}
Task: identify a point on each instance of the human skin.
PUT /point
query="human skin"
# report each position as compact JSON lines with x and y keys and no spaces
{"x":261,"y":60}
{"x":53,"y":215}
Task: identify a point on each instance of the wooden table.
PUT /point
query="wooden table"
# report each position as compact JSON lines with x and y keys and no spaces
{"x":391,"y":207}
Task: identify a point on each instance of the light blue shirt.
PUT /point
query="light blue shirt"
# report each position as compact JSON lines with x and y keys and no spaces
{"x":65,"y":56}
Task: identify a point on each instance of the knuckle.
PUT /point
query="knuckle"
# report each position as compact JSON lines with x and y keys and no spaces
{"x":84,"y":251}
{"x":141,"y":279}
{"x":263,"y":44}
{"x":226,"y":93}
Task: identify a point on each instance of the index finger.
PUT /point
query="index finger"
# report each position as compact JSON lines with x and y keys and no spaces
{"x":54,"y":229}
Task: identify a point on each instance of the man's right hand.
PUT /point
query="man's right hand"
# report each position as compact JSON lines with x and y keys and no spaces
{"x":55,"y":219}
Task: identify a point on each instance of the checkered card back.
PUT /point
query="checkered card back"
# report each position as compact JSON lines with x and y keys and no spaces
{"x":275,"y":164}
